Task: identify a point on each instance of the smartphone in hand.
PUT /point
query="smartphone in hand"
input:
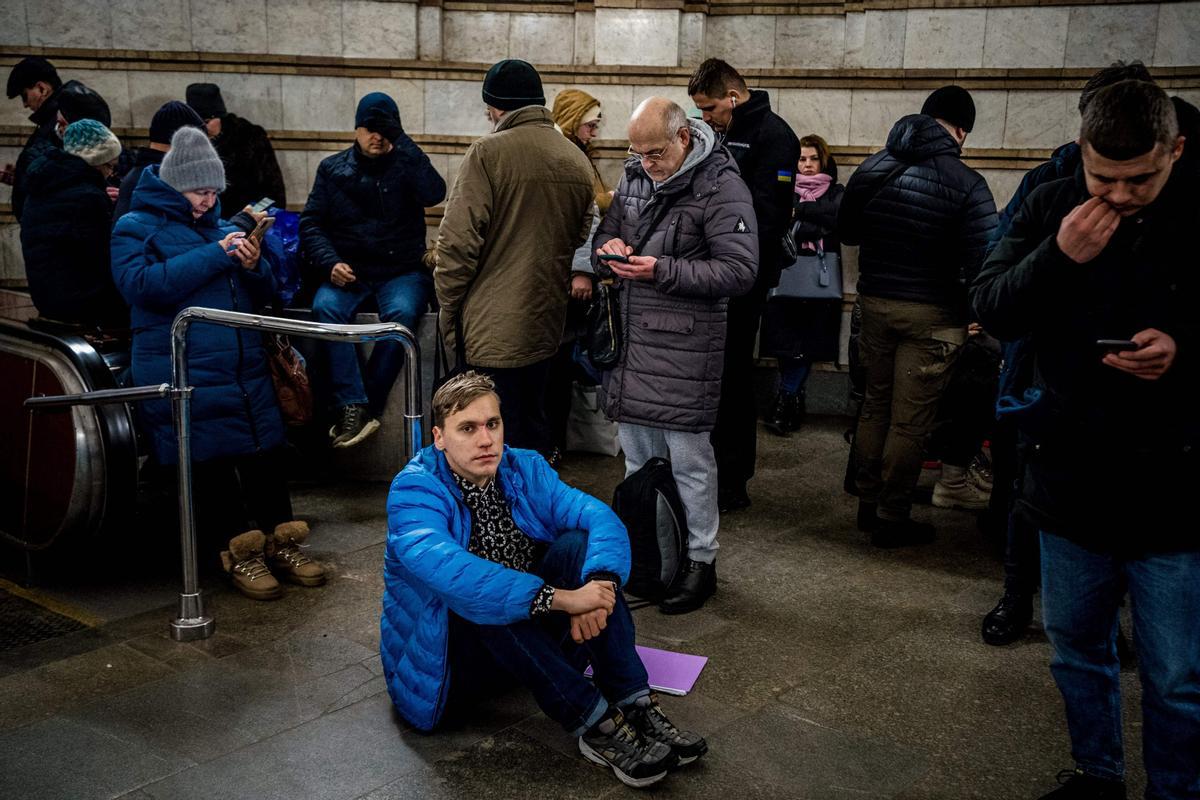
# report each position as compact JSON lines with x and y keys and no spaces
{"x":261,"y":229}
{"x":1117,"y":345}
{"x":262,"y":205}
{"x":620,"y":259}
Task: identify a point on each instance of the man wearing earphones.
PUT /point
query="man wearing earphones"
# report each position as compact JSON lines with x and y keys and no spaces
{"x":766,"y":151}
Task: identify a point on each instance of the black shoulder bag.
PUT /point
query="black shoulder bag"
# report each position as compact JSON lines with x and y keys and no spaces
{"x":605,"y":337}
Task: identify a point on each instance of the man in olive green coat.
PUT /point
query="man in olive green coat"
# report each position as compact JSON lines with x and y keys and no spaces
{"x":520,"y":206}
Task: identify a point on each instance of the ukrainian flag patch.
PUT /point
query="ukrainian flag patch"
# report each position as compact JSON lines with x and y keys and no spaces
{"x":784,"y":176}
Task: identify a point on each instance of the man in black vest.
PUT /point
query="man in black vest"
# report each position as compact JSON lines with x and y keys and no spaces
{"x":766,"y":151}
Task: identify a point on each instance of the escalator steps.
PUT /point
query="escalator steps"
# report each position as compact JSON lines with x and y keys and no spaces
{"x":23,"y":623}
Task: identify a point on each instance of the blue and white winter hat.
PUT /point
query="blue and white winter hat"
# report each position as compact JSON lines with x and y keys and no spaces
{"x":92,"y":142}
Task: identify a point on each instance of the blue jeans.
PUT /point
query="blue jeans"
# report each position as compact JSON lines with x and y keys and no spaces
{"x":541,"y":655}
{"x":1081,"y":592}
{"x":401,"y":299}
{"x":793,"y":374}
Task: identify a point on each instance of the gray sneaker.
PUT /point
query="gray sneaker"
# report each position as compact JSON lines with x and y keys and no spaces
{"x":353,"y":426}
{"x":636,"y":760}
{"x":651,"y":721}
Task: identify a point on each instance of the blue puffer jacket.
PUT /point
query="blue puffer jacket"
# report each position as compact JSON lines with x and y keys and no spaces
{"x":428,"y":571}
{"x":164,"y":261}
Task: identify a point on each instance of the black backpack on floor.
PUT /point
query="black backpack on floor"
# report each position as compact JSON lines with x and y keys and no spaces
{"x":649,"y":505}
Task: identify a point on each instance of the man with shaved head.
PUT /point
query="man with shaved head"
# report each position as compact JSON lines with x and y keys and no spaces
{"x":680,"y":239}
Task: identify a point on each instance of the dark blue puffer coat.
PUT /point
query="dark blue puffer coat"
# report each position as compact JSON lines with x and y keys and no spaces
{"x":921,"y":216}
{"x":429,"y":572}
{"x":164,"y":261}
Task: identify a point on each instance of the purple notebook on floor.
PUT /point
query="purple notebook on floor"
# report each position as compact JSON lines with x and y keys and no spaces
{"x":673,"y":673}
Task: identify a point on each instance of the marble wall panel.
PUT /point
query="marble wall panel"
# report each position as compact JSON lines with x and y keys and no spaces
{"x":429,"y":32}
{"x":1002,"y":183}
{"x":611,"y":171}
{"x":542,"y":38}
{"x":113,"y":86}
{"x":818,"y":42}
{"x":1099,"y":35}
{"x":951,"y":37}
{"x":15,"y":30}
{"x":455,"y":107}
{"x":296,"y":177}
{"x":874,"y":112}
{"x":585,"y":37}
{"x":409,"y":96}
{"x":825,"y":112}
{"x":646,"y":37}
{"x":1037,"y":120}
{"x":69,"y":23}
{"x":1178,"y":35}
{"x":990,"y":110}
{"x":8,"y":155}
{"x":152,"y":25}
{"x":149,"y":90}
{"x":304,"y":27}
{"x":1026,"y":37}
{"x":373,"y":29}
{"x":880,"y":44}
{"x":479,"y":36}
{"x":13,"y":265}
{"x":13,"y":112}
{"x":691,"y":39}
{"x":744,"y":41}
{"x":441,"y":163}
{"x":318,"y":104}
{"x":258,"y":98}
{"x":229,"y":26}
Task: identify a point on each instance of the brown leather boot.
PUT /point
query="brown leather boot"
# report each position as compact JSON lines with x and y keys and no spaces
{"x":288,"y":560}
{"x":244,"y":562}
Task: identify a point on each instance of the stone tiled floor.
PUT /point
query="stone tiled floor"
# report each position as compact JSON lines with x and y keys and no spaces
{"x":836,"y":671}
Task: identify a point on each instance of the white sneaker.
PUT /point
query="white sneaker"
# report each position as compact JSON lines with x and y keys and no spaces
{"x":966,"y":496}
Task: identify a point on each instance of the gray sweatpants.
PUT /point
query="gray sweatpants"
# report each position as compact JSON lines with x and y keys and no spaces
{"x":695,"y":469}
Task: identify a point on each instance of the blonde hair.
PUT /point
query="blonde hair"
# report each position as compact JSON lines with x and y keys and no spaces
{"x":459,"y":392}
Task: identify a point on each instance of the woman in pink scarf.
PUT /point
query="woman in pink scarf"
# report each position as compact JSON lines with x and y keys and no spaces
{"x":798,"y":332}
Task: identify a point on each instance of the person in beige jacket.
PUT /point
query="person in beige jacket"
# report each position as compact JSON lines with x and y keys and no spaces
{"x":519,"y":208}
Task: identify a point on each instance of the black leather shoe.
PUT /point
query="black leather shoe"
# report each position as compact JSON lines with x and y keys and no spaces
{"x":868,"y":519}
{"x":905,"y":532}
{"x":1078,"y":785}
{"x":730,"y":500}
{"x":779,"y":420}
{"x":1008,"y":621}
{"x":695,"y":584}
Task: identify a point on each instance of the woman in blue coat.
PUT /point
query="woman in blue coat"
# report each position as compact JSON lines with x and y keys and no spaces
{"x":171,"y":251}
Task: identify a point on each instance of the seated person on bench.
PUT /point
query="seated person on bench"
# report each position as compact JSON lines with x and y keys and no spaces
{"x":492,"y":561}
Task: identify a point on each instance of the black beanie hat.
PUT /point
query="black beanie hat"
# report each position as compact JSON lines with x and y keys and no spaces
{"x":171,"y":117}
{"x":205,"y":99}
{"x":77,"y":101}
{"x":513,"y":84}
{"x":30,"y":70}
{"x":371,"y":102}
{"x":953,"y":104}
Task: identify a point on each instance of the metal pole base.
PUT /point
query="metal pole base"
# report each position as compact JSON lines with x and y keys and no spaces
{"x":189,"y":630}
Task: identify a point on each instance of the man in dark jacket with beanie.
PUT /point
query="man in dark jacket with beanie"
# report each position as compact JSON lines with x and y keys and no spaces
{"x":36,"y":80}
{"x":521,"y":205}
{"x":1113,"y":444}
{"x":766,"y":151}
{"x":172,"y":116}
{"x":250,"y":164}
{"x":922,"y":220}
{"x":364,"y":228}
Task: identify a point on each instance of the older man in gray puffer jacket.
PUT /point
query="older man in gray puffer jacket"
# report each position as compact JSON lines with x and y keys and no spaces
{"x":684,"y":220}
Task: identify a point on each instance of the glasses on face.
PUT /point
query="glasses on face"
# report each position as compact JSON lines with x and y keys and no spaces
{"x":591,"y":126}
{"x":653,"y":156}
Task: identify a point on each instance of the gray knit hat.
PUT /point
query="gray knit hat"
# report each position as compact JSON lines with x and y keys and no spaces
{"x":193,"y":163}
{"x":92,"y":142}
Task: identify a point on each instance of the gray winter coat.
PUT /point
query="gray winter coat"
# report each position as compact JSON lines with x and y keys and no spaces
{"x":669,"y":375}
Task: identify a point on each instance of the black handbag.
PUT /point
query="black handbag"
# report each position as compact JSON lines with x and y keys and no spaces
{"x":442,"y":369}
{"x":605,"y":338}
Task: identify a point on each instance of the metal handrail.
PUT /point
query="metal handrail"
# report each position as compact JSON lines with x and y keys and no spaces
{"x":192,"y":622}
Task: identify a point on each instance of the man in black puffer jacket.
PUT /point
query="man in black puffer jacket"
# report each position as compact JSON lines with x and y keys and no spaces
{"x":364,"y":229}
{"x":36,"y":80}
{"x":251,"y":168}
{"x":766,"y":151}
{"x":1112,"y":447}
{"x":922,"y":219}
{"x":65,"y":230}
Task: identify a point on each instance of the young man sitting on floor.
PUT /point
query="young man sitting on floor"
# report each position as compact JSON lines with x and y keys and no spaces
{"x":492,"y":561}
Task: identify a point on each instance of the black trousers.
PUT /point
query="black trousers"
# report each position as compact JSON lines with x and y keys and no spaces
{"x":522,"y":393}
{"x":237,"y":494}
{"x":735,"y":437}
{"x":1022,"y":548}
